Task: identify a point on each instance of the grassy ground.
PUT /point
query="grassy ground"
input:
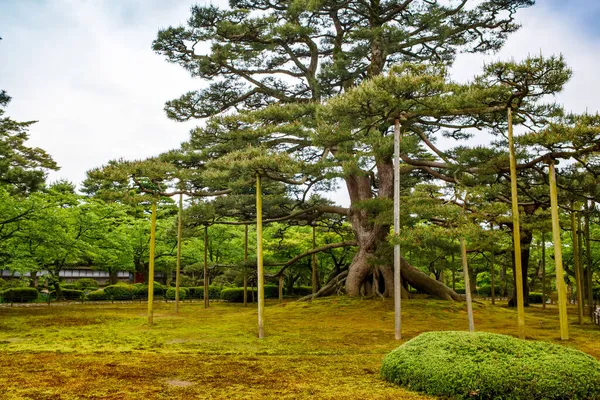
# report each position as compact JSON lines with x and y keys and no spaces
{"x":328,"y":349}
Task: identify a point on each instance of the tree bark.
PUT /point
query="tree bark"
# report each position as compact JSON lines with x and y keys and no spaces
{"x":371,"y":236}
{"x":526,"y":239}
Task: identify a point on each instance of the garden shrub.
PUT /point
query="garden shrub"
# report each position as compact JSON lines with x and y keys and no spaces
{"x":596,"y":290}
{"x":69,"y":294}
{"x":485,"y":291}
{"x":460,"y":290}
{"x":183,"y":293}
{"x":236,"y":295}
{"x":20,"y":295}
{"x":463,"y":365}
{"x":214,"y":292}
{"x":97,"y":295}
{"x":119,"y":292}
{"x":70,"y":286}
{"x":86,"y":284}
{"x":536,"y":298}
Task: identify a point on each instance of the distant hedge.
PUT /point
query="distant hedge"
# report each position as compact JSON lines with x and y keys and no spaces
{"x":236,"y":295}
{"x":20,"y":295}
{"x":183,"y":293}
{"x":68,"y":294}
{"x":197,"y":292}
{"x":119,"y":292}
{"x":301,"y":291}
{"x":463,"y":365}
{"x":86,"y":284}
{"x":536,"y":298}
{"x":97,"y":295}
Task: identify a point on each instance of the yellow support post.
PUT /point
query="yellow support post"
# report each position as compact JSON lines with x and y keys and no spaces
{"x":259,"y":259}
{"x":246,"y":265}
{"x":577,"y":267}
{"x":206,"y":302}
{"x":178,"y":267}
{"x":314,"y":262}
{"x":516,"y":228}
{"x":151,"y":266}
{"x":560,"y":279}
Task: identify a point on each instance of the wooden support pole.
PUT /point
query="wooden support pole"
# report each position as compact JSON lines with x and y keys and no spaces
{"x":206,"y":300}
{"x":246,"y":265}
{"x":259,"y":258}
{"x":178,"y":267}
{"x":544,"y":297}
{"x":588,"y":259}
{"x":493,"y":268}
{"x":314,"y":275}
{"x":465,"y":265}
{"x":560,"y":278}
{"x":577,"y":266}
{"x":151,"y":266}
{"x":516,"y":229}
{"x":397,"y":270}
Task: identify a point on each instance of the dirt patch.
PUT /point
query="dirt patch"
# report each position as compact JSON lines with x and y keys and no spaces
{"x":178,"y":383}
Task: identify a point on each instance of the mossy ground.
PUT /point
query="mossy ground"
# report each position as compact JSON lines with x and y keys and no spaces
{"x":328,"y":349}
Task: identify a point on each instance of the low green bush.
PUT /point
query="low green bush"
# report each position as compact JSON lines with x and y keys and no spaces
{"x":236,"y":295}
{"x":119,"y":292}
{"x":69,"y":294}
{"x":536,"y":298}
{"x":70,"y":286}
{"x":463,"y":365}
{"x":485,"y":291}
{"x":214,"y":292}
{"x":97,"y":295}
{"x":86,"y":284}
{"x":596,"y":291}
{"x":183,"y":293}
{"x":20,"y":295}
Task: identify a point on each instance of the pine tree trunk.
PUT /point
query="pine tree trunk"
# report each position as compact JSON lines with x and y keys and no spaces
{"x":526,"y":239}
{"x":371,"y":236}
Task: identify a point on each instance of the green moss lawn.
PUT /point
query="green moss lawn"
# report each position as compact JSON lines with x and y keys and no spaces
{"x":328,"y":349}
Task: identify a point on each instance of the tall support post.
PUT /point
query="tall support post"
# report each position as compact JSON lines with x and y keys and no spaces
{"x":259,"y":259}
{"x":544,"y":270}
{"x":580,"y":257}
{"x":151,"y":266}
{"x":397,"y":271}
{"x":465,"y":265}
{"x":493,"y":269}
{"x":560,"y":278}
{"x":206,"y":301}
{"x":314,"y":278}
{"x":516,"y":228}
{"x":588,"y":262}
{"x":576,"y":266}
{"x":178,"y":267}
{"x":246,"y":265}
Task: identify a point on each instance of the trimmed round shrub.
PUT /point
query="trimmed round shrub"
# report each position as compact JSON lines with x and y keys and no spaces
{"x":20,"y":295}
{"x":70,"y":286}
{"x":596,"y":291}
{"x":463,"y":365}
{"x":119,"y":292}
{"x":271,"y":292}
{"x":183,"y":293}
{"x":236,"y":295}
{"x":536,"y":298}
{"x":485,"y":291}
{"x":97,"y":295}
{"x":70,"y":294}
{"x":196,"y":292}
{"x":86,"y":284}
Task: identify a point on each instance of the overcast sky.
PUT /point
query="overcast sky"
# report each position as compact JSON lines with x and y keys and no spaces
{"x":85,"y":70}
